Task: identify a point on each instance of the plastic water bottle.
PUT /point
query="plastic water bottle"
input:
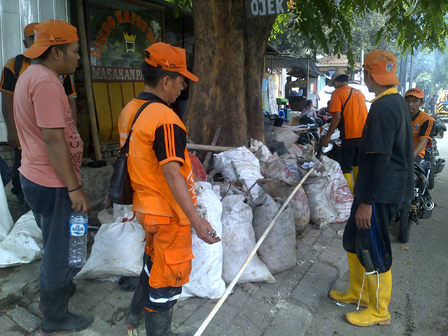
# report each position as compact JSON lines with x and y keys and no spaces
{"x":77,"y":252}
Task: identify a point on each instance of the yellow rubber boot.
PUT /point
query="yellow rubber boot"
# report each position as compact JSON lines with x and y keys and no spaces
{"x":348,"y":177}
{"x":356,"y":271}
{"x":378,"y":310}
{"x":355,"y":173}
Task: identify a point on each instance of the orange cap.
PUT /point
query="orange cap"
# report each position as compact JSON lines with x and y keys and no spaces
{"x":29,"y":29}
{"x":48,"y":33}
{"x":381,"y":64}
{"x":416,"y":92}
{"x":166,"y":57}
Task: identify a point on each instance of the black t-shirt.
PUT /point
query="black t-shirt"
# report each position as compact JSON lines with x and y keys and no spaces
{"x":387,"y":131}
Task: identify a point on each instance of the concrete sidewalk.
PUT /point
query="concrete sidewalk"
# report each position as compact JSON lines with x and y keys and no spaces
{"x":282,"y":308}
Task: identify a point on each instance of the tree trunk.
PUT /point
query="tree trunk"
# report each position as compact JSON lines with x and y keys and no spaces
{"x":229,"y":52}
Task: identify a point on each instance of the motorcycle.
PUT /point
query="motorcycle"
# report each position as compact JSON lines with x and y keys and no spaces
{"x":420,"y":207}
{"x":432,"y":153}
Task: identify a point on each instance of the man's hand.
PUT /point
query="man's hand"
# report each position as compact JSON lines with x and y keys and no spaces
{"x":326,"y":141}
{"x":205,"y":231}
{"x":80,"y":201}
{"x":363,"y":216}
{"x":13,"y":140}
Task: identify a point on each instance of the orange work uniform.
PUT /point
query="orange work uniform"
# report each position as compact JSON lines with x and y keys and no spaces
{"x":422,"y":124}
{"x":159,"y":137}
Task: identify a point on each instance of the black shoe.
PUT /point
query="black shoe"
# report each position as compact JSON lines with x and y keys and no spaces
{"x":159,"y":324}
{"x":56,"y":317}
{"x":137,"y":306}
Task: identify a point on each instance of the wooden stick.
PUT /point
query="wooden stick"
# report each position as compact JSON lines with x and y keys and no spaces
{"x":208,"y":147}
{"x":255,"y":249}
{"x":88,"y":79}
{"x":214,"y":141}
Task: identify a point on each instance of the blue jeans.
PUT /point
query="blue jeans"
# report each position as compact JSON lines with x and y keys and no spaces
{"x":52,"y":208}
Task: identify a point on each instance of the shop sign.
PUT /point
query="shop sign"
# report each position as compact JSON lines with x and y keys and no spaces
{"x":256,"y":8}
{"x":105,"y":74}
{"x":119,"y":36}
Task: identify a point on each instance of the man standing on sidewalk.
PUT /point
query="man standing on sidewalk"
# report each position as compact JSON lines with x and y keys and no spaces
{"x":11,"y":72}
{"x":51,"y":158}
{"x":164,"y":192}
{"x":385,"y":180}
{"x":349,"y":113}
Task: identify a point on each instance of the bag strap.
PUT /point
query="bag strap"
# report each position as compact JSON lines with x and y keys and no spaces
{"x":343,"y":106}
{"x":18,"y":65}
{"x":125,"y":148}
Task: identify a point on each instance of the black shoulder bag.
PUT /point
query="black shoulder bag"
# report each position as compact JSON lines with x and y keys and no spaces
{"x":120,"y":190}
{"x":343,"y":106}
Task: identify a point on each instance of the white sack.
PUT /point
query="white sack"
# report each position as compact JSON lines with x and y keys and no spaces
{"x":285,"y":135}
{"x":122,"y":212}
{"x":206,"y":273}
{"x":278,"y":250}
{"x":340,"y":195}
{"x":6,"y":222}
{"x":117,"y":251}
{"x":24,"y":243}
{"x":274,"y":168}
{"x":328,"y":195}
{"x":238,"y":241}
{"x":248,"y":168}
{"x":299,"y":202}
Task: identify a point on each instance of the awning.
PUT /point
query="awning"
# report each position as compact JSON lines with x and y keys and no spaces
{"x":289,"y":62}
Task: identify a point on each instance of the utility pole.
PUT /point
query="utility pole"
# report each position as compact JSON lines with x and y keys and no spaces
{"x":411,"y":72}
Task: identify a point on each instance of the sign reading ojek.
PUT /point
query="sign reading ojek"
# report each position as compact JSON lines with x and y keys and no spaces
{"x":266,"y":7}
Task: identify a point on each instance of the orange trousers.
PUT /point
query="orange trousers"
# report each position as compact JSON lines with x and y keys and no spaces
{"x":168,"y":243}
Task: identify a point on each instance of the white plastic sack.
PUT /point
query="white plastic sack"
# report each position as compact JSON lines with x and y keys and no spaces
{"x":117,"y":251}
{"x":6,"y":222}
{"x":24,"y":243}
{"x":278,"y":250}
{"x":340,"y":194}
{"x":206,"y":273}
{"x":285,"y":135}
{"x":248,"y":168}
{"x":122,"y":212}
{"x":299,"y":202}
{"x":238,"y":239}
{"x":328,"y":195}
{"x":274,"y":168}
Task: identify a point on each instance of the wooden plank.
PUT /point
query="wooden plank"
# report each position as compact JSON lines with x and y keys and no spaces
{"x":138,"y":87}
{"x":214,"y":141}
{"x":102,"y":107}
{"x":116,"y":105}
{"x":192,"y":146}
{"x":127,"y":89}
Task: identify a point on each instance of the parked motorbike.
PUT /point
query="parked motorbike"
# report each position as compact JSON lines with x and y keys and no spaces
{"x":438,"y":164}
{"x":421,"y":205}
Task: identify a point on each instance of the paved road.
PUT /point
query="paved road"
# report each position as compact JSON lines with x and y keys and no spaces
{"x":419,"y":304}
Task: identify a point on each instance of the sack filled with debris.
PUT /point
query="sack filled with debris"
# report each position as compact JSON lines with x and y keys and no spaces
{"x":206,"y":272}
{"x":24,"y":243}
{"x":278,"y":251}
{"x":298,"y":203}
{"x":247,"y":166}
{"x":117,"y":251}
{"x":238,"y":240}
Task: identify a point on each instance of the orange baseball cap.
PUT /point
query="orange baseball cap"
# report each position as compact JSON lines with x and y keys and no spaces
{"x":416,"y":92}
{"x":166,"y":57}
{"x":29,"y":29}
{"x":49,"y":33}
{"x":381,"y":64}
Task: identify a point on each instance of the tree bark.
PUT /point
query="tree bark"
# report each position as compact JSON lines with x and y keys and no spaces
{"x":229,"y":61}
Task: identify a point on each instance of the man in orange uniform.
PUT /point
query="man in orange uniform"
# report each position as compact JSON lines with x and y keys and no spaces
{"x":421,"y":122}
{"x":10,"y":74}
{"x":349,"y":114}
{"x":164,"y":192}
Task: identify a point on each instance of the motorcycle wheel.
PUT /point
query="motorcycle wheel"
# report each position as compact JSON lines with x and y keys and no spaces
{"x":404,"y":226}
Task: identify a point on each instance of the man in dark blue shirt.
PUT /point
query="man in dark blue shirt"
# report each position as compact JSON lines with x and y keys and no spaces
{"x":385,"y":180}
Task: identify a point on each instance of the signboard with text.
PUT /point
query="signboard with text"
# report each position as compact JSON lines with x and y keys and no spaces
{"x":257,"y":8}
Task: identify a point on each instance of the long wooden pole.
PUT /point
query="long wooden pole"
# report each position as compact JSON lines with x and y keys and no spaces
{"x":249,"y":258}
{"x":88,"y":79}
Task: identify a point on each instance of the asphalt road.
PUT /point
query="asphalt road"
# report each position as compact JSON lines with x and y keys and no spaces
{"x":419,"y":303}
